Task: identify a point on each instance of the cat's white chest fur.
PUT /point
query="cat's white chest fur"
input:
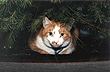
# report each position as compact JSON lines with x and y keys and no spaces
{"x":40,"y":44}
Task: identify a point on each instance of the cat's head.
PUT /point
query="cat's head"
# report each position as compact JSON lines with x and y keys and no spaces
{"x":56,"y":34}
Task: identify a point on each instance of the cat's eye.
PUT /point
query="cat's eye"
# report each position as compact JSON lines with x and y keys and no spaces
{"x":62,"y":34}
{"x":50,"y":33}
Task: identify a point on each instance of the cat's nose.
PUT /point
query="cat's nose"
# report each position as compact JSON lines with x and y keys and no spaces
{"x":55,"y":44}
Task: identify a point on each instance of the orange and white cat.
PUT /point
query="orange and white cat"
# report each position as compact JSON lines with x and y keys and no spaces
{"x":53,"y":38}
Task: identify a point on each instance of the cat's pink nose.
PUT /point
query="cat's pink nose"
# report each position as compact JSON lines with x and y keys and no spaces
{"x":55,"y":44}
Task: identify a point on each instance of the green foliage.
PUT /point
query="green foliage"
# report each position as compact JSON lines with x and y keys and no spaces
{"x":56,"y":1}
{"x":15,"y":15}
{"x":93,"y":14}
{"x":3,"y":1}
{"x":12,"y":18}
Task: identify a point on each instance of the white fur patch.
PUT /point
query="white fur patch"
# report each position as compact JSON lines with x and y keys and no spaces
{"x":56,"y":36}
{"x":68,"y":49}
{"x":42,"y":46}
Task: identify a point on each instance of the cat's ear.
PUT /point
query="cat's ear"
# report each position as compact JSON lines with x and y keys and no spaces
{"x":71,"y":24}
{"x":46,"y":22}
{"x":76,"y":32}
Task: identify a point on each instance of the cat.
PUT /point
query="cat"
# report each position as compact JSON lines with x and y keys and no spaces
{"x":53,"y":38}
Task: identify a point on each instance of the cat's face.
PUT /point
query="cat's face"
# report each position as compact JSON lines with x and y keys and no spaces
{"x":55,"y":34}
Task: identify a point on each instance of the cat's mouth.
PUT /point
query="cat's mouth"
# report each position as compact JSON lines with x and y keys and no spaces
{"x":55,"y":45}
{"x":62,"y":45}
